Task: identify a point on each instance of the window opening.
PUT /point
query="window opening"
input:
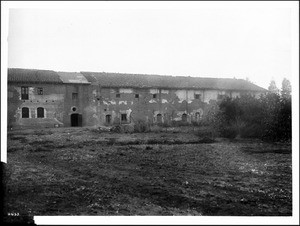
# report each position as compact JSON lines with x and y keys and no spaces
{"x":40,"y":112}
{"x":24,"y":93}
{"x":25,"y":112}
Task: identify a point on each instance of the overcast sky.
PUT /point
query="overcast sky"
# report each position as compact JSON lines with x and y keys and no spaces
{"x":228,"y":42}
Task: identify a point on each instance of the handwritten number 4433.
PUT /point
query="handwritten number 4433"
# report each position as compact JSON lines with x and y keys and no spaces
{"x":13,"y":214}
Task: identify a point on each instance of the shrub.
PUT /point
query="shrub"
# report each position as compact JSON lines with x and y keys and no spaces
{"x":141,"y":127}
{"x":252,"y":131}
{"x":229,"y":132}
{"x":206,"y":132}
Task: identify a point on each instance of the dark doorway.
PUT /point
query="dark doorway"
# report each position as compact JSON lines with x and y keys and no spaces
{"x":159,"y":118}
{"x":184,"y":118}
{"x":76,"y":120}
{"x":197,"y":116}
{"x":108,"y":119}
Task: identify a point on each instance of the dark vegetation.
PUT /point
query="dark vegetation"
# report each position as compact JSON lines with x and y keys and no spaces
{"x":267,"y":117}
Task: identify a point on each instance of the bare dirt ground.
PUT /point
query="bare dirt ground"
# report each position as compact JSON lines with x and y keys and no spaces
{"x":78,"y":171}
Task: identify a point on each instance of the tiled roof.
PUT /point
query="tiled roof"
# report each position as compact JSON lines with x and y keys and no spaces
{"x":32,"y":76}
{"x":157,"y":81}
{"x":129,"y":80}
{"x":72,"y":77}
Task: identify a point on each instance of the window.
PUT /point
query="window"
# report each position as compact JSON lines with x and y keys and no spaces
{"x":154,"y":95}
{"x":24,"y":93}
{"x":118,"y":95}
{"x":123,"y":117}
{"x":197,"y":96}
{"x":25,"y":112}
{"x":40,"y":112}
{"x":108,"y":119}
{"x":137,"y":95}
{"x":40,"y":91}
{"x":74,"y":96}
{"x":220,"y":96}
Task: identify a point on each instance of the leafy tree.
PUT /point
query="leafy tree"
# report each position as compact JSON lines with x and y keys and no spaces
{"x":267,"y":117}
{"x":272,"y":87}
{"x":286,"y":88}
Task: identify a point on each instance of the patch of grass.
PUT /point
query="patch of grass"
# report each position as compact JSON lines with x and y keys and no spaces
{"x":41,"y":142}
{"x":19,"y":138}
{"x":41,"y":149}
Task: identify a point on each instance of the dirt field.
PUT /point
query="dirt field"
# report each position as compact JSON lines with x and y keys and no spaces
{"x":79,"y":171}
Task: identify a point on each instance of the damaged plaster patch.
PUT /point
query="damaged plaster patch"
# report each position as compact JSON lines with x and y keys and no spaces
{"x":111,"y":102}
{"x":123,"y":102}
{"x":164,"y":101}
{"x":125,"y":91}
{"x":153,"y":91}
{"x":152,"y":101}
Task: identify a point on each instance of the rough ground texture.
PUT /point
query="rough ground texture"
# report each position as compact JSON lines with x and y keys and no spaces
{"x":79,"y":171}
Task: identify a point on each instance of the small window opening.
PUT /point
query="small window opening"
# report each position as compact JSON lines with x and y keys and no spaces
{"x":197,"y":96}
{"x":118,"y":95}
{"x":154,"y":95}
{"x":40,"y":91}
{"x":123,"y":117}
{"x":24,"y":93}
{"x":137,"y":95}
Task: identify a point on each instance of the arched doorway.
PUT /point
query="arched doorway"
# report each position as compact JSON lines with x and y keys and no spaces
{"x":159,"y":118}
{"x":76,"y":119}
{"x":108,"y":119}
{"x":197,"y":116}
{"x":184,"y":117}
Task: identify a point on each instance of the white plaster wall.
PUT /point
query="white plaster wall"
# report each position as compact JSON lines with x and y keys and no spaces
{"x":153,"y":91}
{"x":235,"y":94}
{"x":125,"y":90}
{"x":210,"y":95}
{"x":181,"y":94}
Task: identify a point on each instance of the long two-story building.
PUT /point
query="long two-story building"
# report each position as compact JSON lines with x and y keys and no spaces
{"x":45,"y":98}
